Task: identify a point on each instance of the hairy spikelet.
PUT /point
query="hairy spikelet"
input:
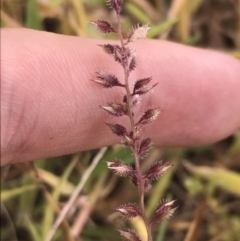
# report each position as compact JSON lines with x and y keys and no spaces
{"x":129,"y":235}
{"x":115,"y":4}
{"x":115,"y":109}
{"x":108,"y":48}
{"x":107,"y":80}
{"x":103,"y":26}
{"x":117,"y":129}
{"x":149,"y":116}
{"x":138,"y":32}
{"x":139,"y":84}
{"x":157,"y":170}
{"x":145,"y":90}
{"x":133,"y":63}
{"x":144,"y":147}
{"x":163,"y":211}
{"x":129,"y":210}
{"x":120,"y":168}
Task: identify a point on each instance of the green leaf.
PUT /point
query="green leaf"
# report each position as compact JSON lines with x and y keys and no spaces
{"x":32,"y":229}
{"x":53,"y":180}
{"x":137,"y":13}
{"x":49,"y":213}
{"x":158,"y":29}
{"x":218,"y":177}
{"x":33,"y":18}
{"x":11,"y":193}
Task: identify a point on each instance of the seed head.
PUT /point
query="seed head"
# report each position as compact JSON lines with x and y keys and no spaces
{"x":120,"y":168}
{"x":157,"y":170}
{"x":149,"y":116}
{"x":115,"y":109}
{"x":129,"y":235}
{"x":117,"y":129}
{"x":133,"y":63}
{"x":115,"y":4}
{"x":108,"y":48}
{"x":141,"y":83}
{"x":103,"y":26}
{"x":163,"y":211}
{"x":107,"y":80}
{"x":129,"y":210}
{"x":144,"y":147}
{"x":138,"y":33}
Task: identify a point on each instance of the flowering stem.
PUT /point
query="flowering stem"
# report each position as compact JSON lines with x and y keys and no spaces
{"x":132,"y":137}
{"x":126,"y":75}
{"x":141,"y":195}
{"x":141,"y":189}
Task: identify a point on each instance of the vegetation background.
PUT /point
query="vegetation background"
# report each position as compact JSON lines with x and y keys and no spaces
{"x":205,"y":180}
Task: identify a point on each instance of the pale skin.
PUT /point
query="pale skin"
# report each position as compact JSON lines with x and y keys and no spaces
{"x":49,"y":106}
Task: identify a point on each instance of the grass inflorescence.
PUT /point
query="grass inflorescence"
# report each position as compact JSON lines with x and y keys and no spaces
{"x":132,"y":135}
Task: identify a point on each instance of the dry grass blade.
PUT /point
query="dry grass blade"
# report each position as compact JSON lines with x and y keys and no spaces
{"x":176,"y":6}
{"x":88,"y":206}
{"x":75,"y":194}
{"x":195,"y":225}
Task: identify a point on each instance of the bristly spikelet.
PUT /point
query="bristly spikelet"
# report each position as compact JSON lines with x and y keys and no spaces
{"x":117,"y":129}
{"x":107,"y":80}
{"x":111,"y":111}
{"x":133,"y":62}
{"x":103,"y":26}
{"x":144,"y":147}
{"x":157,"y":170}
{"x":139,"y":84}
{"x":108,"y":48}
{"x":120,"y":168}
{"x":129,"y":235}
{"x":116,"y":109}
{"x":129,"y":210}
{"x":115,"y":4}
{"x":149,"y":116}
{"x":138,"y":32}
{"x":163,"y":211}
{"x":144,"y":90}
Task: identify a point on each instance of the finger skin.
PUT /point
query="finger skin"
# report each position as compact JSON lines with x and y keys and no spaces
{"x":50,"y":107}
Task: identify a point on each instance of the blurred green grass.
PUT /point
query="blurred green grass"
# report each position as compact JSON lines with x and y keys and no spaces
{"x":30,"y":200}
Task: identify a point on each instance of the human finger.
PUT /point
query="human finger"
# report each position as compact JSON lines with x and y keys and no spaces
{"x":50,"y":108}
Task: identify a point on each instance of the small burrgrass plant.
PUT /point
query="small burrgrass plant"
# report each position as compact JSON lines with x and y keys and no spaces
{"x":132,"y":136}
